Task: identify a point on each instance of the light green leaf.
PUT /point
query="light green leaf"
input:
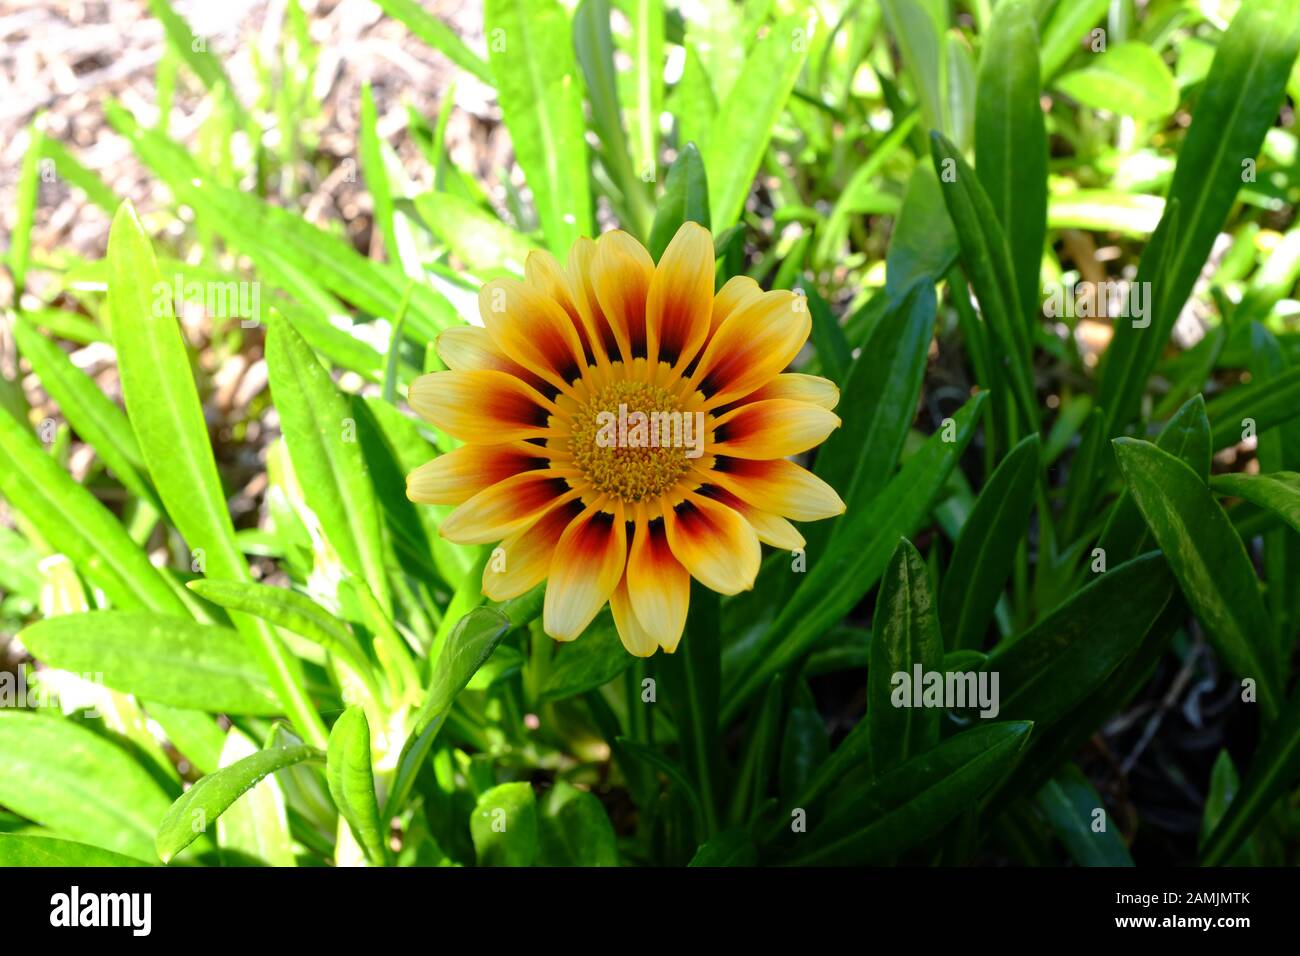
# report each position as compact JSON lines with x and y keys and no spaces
{"x":1129,"y":79}
{"x":352,"y":781}
{"x":504,"y":826}
{"x":255,"y":828}
{"x":482,"y":240}
{"x":321,"y":435}
{"x":163,"y":405}
{"x":76,"y":524}
{"x":538,"y":85}
{"x":171,"y":660}
{"x":741,"y":130}
{"x":26,"y":850}
{"x":212,"y":795}
{"x":78,"y":783}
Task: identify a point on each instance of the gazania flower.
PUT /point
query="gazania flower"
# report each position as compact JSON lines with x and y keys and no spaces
{"x":625,"y":429}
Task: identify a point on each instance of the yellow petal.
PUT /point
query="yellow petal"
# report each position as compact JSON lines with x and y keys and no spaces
{"x":775,"y":428}
{"x":484,"y":406}
{"x":586,"y":568}
{"x":504,"y":508}
{"x":715,"y":544}
{"x":679,"y":303}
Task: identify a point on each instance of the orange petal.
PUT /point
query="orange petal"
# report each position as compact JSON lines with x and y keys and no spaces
{"x":452,"y":478}
{"x":635,"y":638}
{"x":658,"y":585}
{"x":679,"y":303}
{"x":546,"y":275}
{"x":532,"y":329}
{"x":735,"y":292}
{"x":503,"y":508}
{"x":464,"y":348}
{"x":798,"y":387}
{"x":771,"y":529}
{"x":525,"y":557}
{"x":772,"y":429}
{"x":752,"y":346}
{"x":586,"y":568}
{"x":620,"y":273}
{"x":715,"y":544}
{"x":599,"y":332}
{"x":780,"y":487}
{"x":483,"y":406}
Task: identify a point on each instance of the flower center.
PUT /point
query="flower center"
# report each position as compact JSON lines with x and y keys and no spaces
{"x":632,"y":441}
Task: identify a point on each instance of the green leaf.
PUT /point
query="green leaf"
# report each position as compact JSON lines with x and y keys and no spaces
{"x":163,"y":405}
{"x":1279,"y":492}
{"x":504,"y":826}
{"x":476,"y":236}
{"x":1207,"y":558}
{"x":647,"y":17}
{"x":1069,"y":803}
{"x":1236,"y":108}
{"x":574,"y":829}
{"x":685,"y":199}
{"x":923,"y":243}
{"x":212,"y":795}
{"x":90,"y":412}
{"x":857,"y":557}
{"x":538,"y":87}
{"x":1011,"y":141}
{"x":652,"y":758}
{"x":986,"y":257}
{"x":321,"y":435}
{"x":1068,"y":24}
{"x":986,"y":548}
{"x":733,"y":847}
{"x":1273,"y":770}
{"x":195,"y":54}
{"x":468,"y":646}
{"x":746,"y":117}
{"x":352,"y":781}
{"x":167,"y":659}
{"x":905,"y":634}
{"x":1129,"y":79}
{"x":878,"y":405}
{"x":1225,"y":784}
{"x":692,"y":678}
{"x":592,"y":661}
{"x":1186,"y":437}
{"x":24,"y":850}
{"x":78,"y":783}
{"x":254,"y":830}
{"x":29,"y":193}
{"x":918,"y":42}
{"x":911,"y":804}
{"x":438,"y":35}
{"x":594,"y":43}
{"x":288,"y":609}
{"x":76,"y":524}
{"x":1069,"y":654}
{"x":1267,"y":404}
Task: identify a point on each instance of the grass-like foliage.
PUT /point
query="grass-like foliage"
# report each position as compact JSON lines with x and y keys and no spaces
{"x":1050,"y":256}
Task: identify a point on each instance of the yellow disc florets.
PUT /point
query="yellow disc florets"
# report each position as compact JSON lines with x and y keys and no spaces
{"x":631,"y":440}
